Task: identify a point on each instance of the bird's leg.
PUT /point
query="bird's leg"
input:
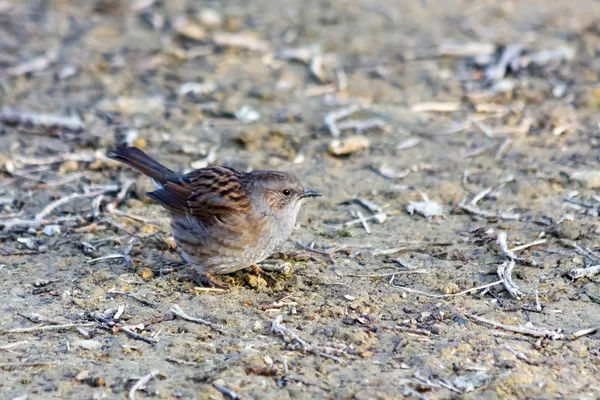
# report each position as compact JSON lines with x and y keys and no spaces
{"x":258,"y":271}
{"x":208,"y":280}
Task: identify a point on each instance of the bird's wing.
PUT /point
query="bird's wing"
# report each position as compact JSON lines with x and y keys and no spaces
{"x":208,"y":194}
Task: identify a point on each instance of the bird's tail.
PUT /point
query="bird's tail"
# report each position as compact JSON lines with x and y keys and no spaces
{"x":142,"y":162}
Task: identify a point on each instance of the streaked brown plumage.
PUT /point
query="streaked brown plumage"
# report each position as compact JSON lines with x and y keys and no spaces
{"x":223,"y":219}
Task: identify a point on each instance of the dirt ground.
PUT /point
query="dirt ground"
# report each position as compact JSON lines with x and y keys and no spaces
{"x":487,"y":108}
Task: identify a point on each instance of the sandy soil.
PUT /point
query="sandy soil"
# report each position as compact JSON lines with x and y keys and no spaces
{"x":380,"y":315}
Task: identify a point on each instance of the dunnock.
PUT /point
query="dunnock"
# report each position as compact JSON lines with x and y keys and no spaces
{"x":222,"y":219}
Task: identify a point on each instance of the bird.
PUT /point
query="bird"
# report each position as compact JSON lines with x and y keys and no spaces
{"x":222,"y":219}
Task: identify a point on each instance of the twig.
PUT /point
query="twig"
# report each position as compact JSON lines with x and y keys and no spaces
{"x":136,"y":336}
{"x":538,"y":306}
{"x":505,"y":273}
{"x":39,"y":217}
{"x":332,"y":118}
{"x":443,"y":296}
{"x":108,"y":257}
{"x":226,"y":392}
{"x":133,"y":296}
{"x":308,"y":248}
{"x":183,"y":362}
{"x":378,"y":218}
{"x":414,"y":331}
{"x":436,"y":107}
{"x":478,"y":197}
{"x":535,"y":332}
{"x":507,"y":142}
{"x":141,"y":383}
{"x":384,"y":275}
{"x":11,"y":116}
{"x":363,"y":221}
{"x":286,"y":333}
{"x":177,"y":311}
{"x":28,"y":364}
{"x":585,"y":332}
{"x":520,"y":355}
{"x":584,"y":252}
{"x":7,"y":347}
{"x":502,"y":242}
{"x":121,"y":195}
{"x":45,"y":328}
{"x":488,"y":214}
{"x":528,"y":245}
{"x":577,"y":273}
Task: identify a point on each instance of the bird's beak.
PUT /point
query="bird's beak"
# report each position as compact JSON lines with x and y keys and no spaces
{"x":310,"y":193}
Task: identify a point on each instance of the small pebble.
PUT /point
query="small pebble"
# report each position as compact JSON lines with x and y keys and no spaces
{"x":52,"y":230}
{"x":87,"y":344}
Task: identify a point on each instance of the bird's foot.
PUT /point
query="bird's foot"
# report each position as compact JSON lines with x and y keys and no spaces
{"x":258,"y":271}
{"x":208,"y":280}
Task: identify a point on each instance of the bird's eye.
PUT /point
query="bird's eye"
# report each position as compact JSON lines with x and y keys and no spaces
{"x":286,"y":192}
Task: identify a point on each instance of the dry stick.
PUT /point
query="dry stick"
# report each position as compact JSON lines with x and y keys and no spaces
{"x":133,"y":296}
{"x":28,"y":364}
{"x":363,"y":221}
{"x":478,"y":197}
{"x":121,"y":195}
{"x":538,"y":306}
{"x":183,"y":362}
{"x":135,"y":336}
{"x":226,"y":392}
{"x":11,"y":345}
{"x":141,"y":383}
{"x":278,"y":329}
{"x":8,"y":347}
{"x":39,"y":217}
{"x":507,"y":142}
{"x":535,"y":332}
{"x":585,"y":332}
{"x":11,"y":116}
{"x":520,"y":355}
{"x":502,"y":242}
{"x":528,"y":245}
{"x":577,"y":273}
{"x":108,"y":257}
{"x":505,"y":272}
{"x":443,"y":296}
{"x":46,"y":328}
{"x":177,"y":311}
{"x":332,"y":118}
{"x":385,"y":275}
{"x":487,"y":214}
{"x":308,"y":248}
{"x":584,"y":252}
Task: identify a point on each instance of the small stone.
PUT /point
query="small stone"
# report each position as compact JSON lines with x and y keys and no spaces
{"x":188,"y":29}
{"x":87,"y":344}
{"x":69,"y":166}
{"x":52,"y":230}
{"x":451,"y":288}
{"x":146,"y":274}
{"x":210,"y":18}
{"x":247,"y":114}
{"x":591,"y":179}
{"x":349,"y":145}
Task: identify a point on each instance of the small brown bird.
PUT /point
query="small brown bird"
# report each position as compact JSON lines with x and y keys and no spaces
{"x":222,"y":219}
